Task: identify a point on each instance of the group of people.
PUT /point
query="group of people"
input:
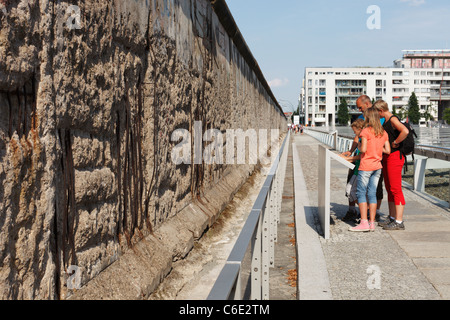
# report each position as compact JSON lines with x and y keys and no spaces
{"x":296,"y":128}
{"x":377,"y":157}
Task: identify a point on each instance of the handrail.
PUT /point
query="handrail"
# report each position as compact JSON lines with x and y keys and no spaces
{"x":433,"y":147}
{"x":259,"y":234}
{"x":333,"y":140}
{"x":434,"y":152}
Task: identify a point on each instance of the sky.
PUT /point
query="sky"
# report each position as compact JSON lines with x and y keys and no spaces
{"x":286,"y":36}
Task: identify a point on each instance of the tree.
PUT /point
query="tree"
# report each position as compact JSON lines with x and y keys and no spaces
{"x":394,"y":111}
{"x":400,"y":112}
{"x":413,"y":109}
{"x":446,"y":116}
{"x":343,"y":115}
{"x":428,"y":113}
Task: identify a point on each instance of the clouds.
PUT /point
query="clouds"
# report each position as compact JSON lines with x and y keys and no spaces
{"x":414,"y":3}
{"x":276,"y":83}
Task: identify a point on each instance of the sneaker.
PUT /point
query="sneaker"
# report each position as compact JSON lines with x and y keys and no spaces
{"x":385,"y":222}
{"x":372,"y":226}
{"x":350,"y":216}
{"x":362,"y":227}
{"x":393,"y":225}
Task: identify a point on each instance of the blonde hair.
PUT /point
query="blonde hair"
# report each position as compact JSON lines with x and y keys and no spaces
{"x":372,"y":117}
{"x":381,"y":105}
{"x":358,"y":124}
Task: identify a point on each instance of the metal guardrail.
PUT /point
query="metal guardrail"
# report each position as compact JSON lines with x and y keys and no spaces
{"x":260,"y":235}
{"x":434,"y":152}
{"x":339,"y":143}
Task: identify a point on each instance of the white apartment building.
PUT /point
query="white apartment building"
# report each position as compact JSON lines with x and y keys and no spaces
{"x":425,"y":72}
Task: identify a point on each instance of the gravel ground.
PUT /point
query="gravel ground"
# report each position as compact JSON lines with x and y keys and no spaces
{"x":436,"y":181}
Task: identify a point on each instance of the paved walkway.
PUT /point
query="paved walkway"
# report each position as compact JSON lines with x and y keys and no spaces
{"x":283,"y":275}
{"x":387,"y":265}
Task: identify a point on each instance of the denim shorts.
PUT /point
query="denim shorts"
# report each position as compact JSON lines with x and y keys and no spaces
{"x":367,"y":186}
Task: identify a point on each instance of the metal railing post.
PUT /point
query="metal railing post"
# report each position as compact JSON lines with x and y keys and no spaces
{"x":238,"y":289}
{"x":272,"y":224}
{"x":256,"y":275}
{"x":265,"y":252}
{"x":419,"y":174}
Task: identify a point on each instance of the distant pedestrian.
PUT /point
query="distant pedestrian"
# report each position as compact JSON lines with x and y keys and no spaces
{"x":392,"y":167}
{"x":374,"y":142}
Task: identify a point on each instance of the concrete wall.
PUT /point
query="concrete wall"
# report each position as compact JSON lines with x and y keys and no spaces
{"x":86,"y":117}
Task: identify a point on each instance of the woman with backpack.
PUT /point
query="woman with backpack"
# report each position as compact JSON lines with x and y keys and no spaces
{"x":392,"y":167}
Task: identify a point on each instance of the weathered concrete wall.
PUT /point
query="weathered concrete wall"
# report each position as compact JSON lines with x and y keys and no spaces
{"x":86,"y":117}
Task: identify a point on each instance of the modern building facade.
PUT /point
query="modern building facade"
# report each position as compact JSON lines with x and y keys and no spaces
{"x":425,"y":72}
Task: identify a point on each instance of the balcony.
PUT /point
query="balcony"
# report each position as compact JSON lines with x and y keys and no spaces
{"x":398,"y":99}
{"x":437,"y":86}
{"x":444,"y":95}
{"x":400,"y":82}
{"x":348,"y":84}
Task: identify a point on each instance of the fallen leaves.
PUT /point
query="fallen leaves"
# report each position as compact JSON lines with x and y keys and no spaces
{"x":292,"y":277}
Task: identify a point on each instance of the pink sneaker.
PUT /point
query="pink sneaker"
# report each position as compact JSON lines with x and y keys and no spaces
{"x":372,"y":226}
{"x":362,"y":227}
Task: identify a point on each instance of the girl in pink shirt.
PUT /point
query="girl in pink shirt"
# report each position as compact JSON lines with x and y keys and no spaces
{"x":374,"y":142}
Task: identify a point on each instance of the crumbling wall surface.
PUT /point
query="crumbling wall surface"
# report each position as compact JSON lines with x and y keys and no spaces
{"x":90,"y":94}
